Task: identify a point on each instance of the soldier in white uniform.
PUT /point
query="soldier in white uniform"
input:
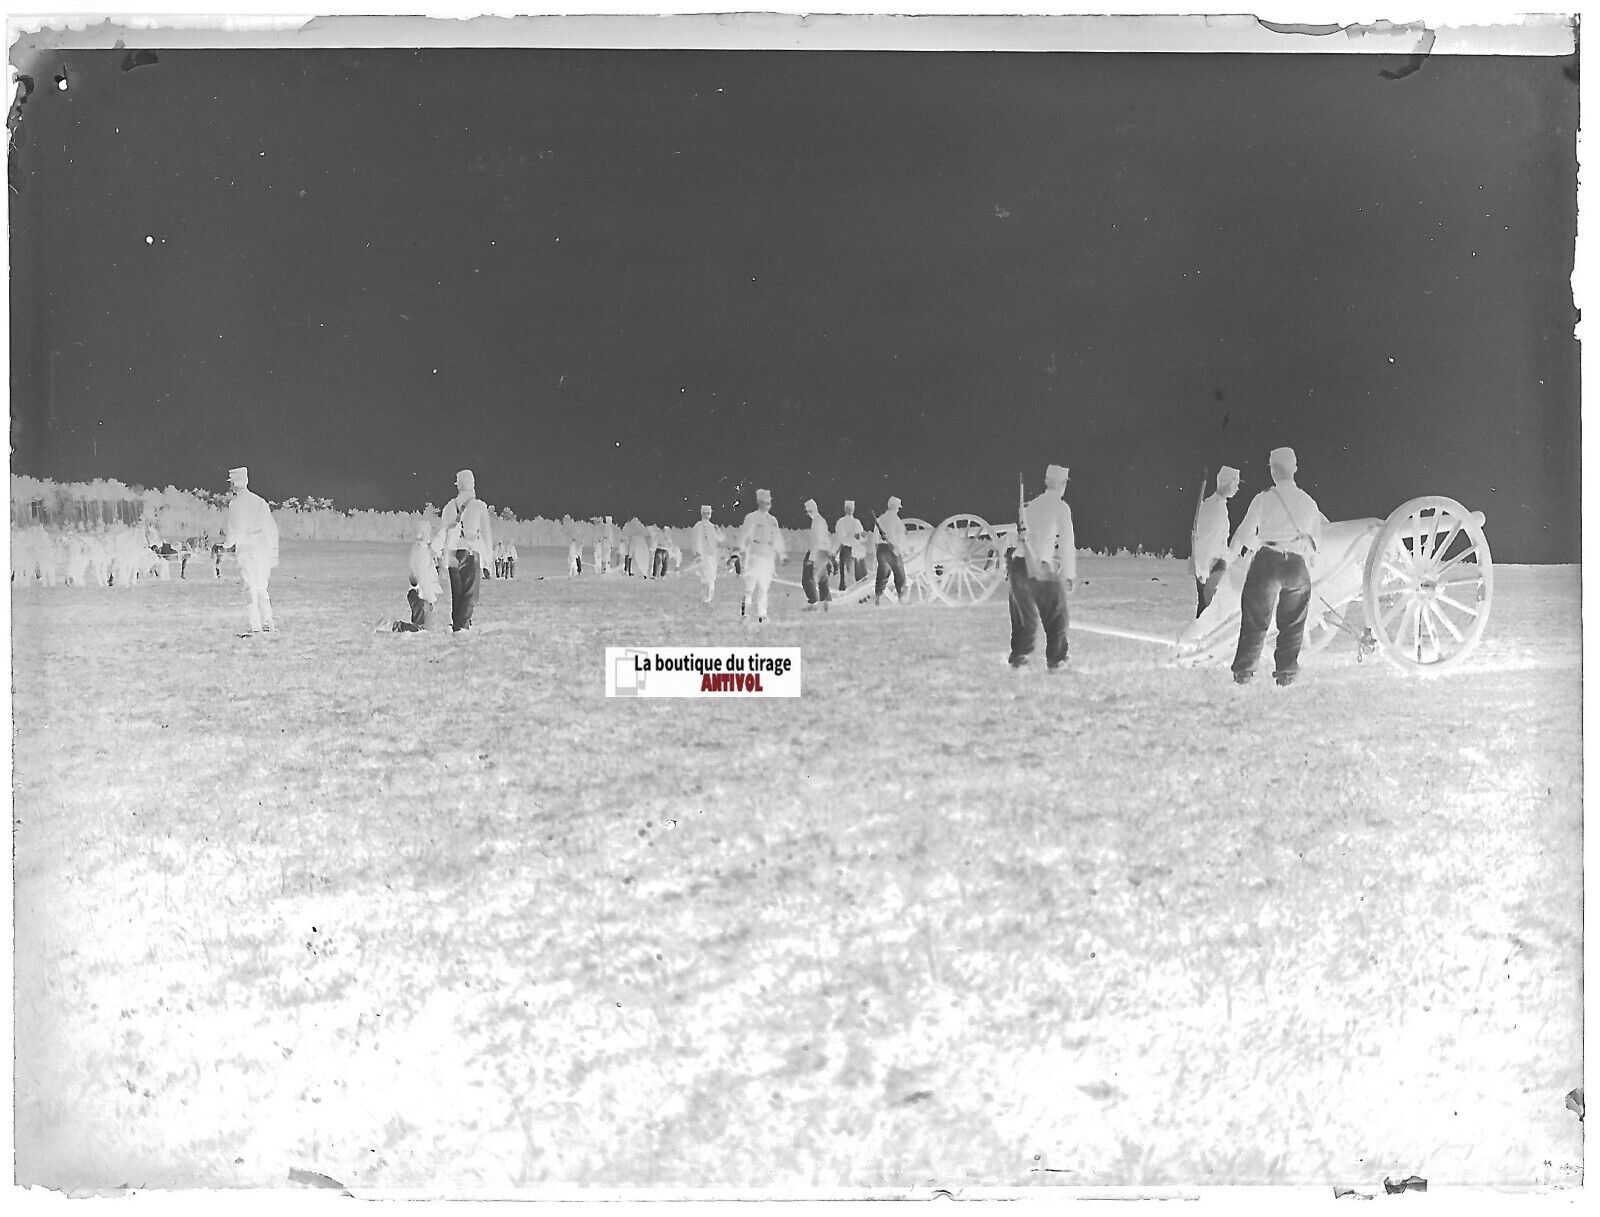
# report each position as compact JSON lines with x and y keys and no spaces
{"x":706,"y":543}
{"x":851,"y":539}
{"x":1209,"y":551}
{"x":761,"y":548}
{"x":659,"y":544}
{"x":1284,"y":527}
{"x":639,"y":549}
{"x":819,"y":559}
{"x":251,"y":530}
{"x":891,"y":553}
{"x":1043,"y":569}
{"x":469,"y":545}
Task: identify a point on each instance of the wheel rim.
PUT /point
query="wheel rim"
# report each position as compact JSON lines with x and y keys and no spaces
{"x":1429,"y":585}
{"x":965,"y":560}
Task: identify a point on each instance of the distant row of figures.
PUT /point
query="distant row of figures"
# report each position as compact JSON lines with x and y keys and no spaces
{"x":106,"y":555}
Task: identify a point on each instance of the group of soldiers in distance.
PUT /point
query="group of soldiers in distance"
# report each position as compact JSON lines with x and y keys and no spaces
{"x":1279,"y":535}
{"x":841,"y":552}
{"x":845,"y":553}
{"x":100,"y":555}
{"x":639,"y":550}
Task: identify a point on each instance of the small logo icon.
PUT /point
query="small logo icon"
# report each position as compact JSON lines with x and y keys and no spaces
{"x":629,"y":672}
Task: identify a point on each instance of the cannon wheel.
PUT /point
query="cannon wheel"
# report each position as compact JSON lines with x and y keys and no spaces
{"x":965,"y":560}
{"x":1429,"y":584}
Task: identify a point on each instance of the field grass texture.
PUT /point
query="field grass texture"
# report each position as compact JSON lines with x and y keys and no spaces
{"x":431,"y":912}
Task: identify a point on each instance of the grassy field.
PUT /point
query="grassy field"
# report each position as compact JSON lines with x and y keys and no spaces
{"x":430,"y":911}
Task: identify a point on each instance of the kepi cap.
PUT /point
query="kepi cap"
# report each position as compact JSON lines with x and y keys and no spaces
{"x":464,"y":478}
{"x":763,"y":496}
{"x":1055,"y":475}
{"x":1285,"y":457}
{"x":849,"y":504}
{"x":893,"y":502}
{"x":811,"y":505}
{"x":242,"y":473}
{"x":1227,"y":476}
{"x":705,"y":509}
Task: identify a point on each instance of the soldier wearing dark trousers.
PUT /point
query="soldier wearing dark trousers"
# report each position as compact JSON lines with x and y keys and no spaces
{"x":469,"y":542}
{"x":889,"y":563}
{"x":658,"y":554}
{"x":1284,"y":526}
{"x":891,"y":540}
{"x":814,"y":574}
{"x":1043,"y":569}
{"x":465,"y":576}
{"x":1036,"y":602}
{"x":1278,"y":583}
{"x":851,"y":537}
{"x":818,"y":564}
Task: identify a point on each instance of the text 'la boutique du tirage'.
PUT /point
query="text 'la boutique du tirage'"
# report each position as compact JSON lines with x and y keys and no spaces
{"x":734,"y":661}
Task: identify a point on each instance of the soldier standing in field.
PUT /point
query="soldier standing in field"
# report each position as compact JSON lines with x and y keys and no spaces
{"x":891,"y":553}
{"x":851,"y":538}
{"x":1209,"y":552}
{"x":1043,"y":570}
{"x":639,"y":550}
{"x":819,"y":559}
{"x":251,"y":530}
{"x":469,"y":543}
{"x":1284,"y":527}
{"x":706,"y":543}
{"x":660,"y":543}
{"x":761,"y":548}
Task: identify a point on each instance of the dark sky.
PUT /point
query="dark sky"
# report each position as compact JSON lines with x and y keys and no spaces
{"x":635,"y":281}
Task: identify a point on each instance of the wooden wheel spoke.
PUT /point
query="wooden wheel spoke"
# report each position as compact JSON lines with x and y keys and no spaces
{"x":1444,"y":620}
{"x":1444,"y":547}
{"x":1391,"y":568}
{"x":1452,"y":563}
{"x":1441,"y":598}
{"x":1425,"y":625}
{"x":1387,"y":619}
{"x":1412,"y":533}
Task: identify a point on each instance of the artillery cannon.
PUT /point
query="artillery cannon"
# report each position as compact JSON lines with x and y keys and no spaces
{"x":960,"y":561}
{"x":1423,"y":578}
